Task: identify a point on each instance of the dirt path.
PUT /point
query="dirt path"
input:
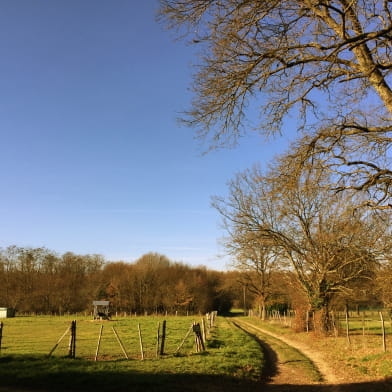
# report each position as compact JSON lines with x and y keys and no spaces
{"x":280,"y":376}
{"x":313,"y":355}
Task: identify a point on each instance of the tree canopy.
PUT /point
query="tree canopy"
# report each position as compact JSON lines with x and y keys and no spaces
{"x":39,"y":280}
{"x":328,"y":244}
{"x":327,"y":61}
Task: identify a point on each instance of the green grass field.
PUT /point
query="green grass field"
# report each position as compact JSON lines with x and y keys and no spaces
{"x":38,"y":335}
{"x":368,"y":323}
{"x":232,"y":358}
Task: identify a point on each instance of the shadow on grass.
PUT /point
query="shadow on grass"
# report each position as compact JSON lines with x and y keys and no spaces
{"x":270,"y":368}
{"x":23,"y":373}
{"x":37,"y":373}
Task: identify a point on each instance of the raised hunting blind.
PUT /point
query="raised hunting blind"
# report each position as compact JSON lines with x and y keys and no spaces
{"x":101,"y":310}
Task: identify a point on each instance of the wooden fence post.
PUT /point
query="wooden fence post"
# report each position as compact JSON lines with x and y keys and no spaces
{"x":157,"y":346}
{"x":198,"y":338}
{"x":384,"y":342}
{"x":335,"y":330}
{"x":120,"y":343}
{"x":307,"y":321}
{"x":163,"y":338}
{"x":348,"y":329}
{"x":363,"y":325}
{"x":72,"y":341}
{"x":203,"y":329}
{"x":1,"y":333}
{"x":140,"y":341}
{"x":214,"y":314}
{"x":99,"y":343}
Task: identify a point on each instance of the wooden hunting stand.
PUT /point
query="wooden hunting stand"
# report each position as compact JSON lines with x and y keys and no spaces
{"x":101,"y":310}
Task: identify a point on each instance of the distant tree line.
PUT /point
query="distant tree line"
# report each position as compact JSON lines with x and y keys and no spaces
{"x":39,"y":280}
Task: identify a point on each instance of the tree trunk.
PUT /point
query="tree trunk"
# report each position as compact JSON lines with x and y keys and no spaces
{"x":321,"y":320}
{"x":263,"y":312}
{"x":262,"y":309}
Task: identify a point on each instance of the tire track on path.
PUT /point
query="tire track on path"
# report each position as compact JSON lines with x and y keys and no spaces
{"x":278,"y":373}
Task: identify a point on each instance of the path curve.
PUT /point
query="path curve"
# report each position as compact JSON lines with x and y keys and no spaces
{"x":324,"y":369}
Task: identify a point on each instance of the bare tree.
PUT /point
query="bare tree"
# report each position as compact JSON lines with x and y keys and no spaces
{"x":384,"y":276}
{"x":327,"y":244}
{"x":297,"y":56}
{"x":357,"y":154}
{"x":256,"y":259}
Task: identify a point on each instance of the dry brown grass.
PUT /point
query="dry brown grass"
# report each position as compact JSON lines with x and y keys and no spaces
{"x":360,"y":360}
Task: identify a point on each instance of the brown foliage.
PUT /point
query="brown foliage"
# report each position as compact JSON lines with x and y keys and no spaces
{"x":38,"y":280}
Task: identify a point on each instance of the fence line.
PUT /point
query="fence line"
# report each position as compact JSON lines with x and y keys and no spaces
{"x":342,"y":321}
{"x":1,"y":333}
{"x":85,"y":338}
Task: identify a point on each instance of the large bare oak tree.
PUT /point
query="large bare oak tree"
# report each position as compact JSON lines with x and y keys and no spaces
{"x":328,"y":244}
{"x":328,"y":61}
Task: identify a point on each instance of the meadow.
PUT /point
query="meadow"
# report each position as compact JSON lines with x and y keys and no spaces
{"x":231,"y":357}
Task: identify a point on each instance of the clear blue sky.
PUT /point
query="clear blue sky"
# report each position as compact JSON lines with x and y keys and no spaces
{"x":92,"y":158}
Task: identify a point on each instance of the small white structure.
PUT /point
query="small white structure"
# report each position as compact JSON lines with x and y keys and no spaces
{"x":7,"y":312}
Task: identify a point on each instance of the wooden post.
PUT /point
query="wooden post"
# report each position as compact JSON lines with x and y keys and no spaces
{"x":163,"y":338}
{"x":203,"y":329}
{"x":363,"y":325}
{"x":141,"y":342}
{"x":120,"y":343}
{"x":307,"y":321}
{"x":198,"y":338}
{"x":335,"y":330}
{"x":314,"y":320}
{"x":214,"y":314}
{"x":384,"y":342}
{"x":347,"y":329}
{"x":99,"y":343}
{"x":1,"y":333}
{"x":157,"y":346}
{"x":72,"y":340}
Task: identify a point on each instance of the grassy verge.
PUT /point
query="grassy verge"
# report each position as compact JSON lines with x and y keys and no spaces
{"x":232,"y":358}
{"x":362,"y":359}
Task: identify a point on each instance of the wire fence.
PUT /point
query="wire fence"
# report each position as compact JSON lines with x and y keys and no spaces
{"x":375,"y":326}
{"x":151,"y":337}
